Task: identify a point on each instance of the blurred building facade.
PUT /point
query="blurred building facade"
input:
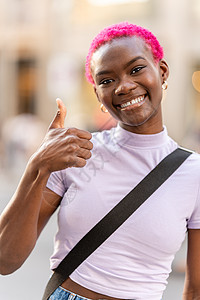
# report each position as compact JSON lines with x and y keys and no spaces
{"x":43,"y":45}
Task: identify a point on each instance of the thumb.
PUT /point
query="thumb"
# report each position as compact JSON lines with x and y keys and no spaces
{"x":59,"y":119}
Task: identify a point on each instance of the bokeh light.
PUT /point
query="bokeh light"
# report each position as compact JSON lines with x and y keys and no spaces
{"x":196,"y":80}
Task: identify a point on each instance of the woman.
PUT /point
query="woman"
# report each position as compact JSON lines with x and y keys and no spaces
{"x":126,"y":67}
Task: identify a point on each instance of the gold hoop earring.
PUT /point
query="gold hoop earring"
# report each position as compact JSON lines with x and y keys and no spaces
{"x":164,"y":85}
{"x":103,"y":109}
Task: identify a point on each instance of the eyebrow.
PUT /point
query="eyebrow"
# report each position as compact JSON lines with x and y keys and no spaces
{"x":133,"y":60}
{"x":104,"y":72}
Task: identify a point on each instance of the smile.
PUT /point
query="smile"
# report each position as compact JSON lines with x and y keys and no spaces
{"x":134,"y":101}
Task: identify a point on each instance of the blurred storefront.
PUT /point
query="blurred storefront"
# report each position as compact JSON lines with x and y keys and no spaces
{"x":43,"y":45}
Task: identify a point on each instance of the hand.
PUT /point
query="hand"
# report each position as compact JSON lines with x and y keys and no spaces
{"x":63,"y":148}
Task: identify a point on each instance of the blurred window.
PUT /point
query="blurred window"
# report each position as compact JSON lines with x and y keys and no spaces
{"x":26,"y":85}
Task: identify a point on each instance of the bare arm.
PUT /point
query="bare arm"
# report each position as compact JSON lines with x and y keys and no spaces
{"x":192,"y":280}
{"x":18,"y":222}
{"x":32,"y":204}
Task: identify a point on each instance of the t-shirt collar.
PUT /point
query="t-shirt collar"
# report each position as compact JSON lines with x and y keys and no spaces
{"x":128,"y":138}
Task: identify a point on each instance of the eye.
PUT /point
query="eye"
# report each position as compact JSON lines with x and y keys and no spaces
{"x":137,"y":69}
{"x":106,"y":81}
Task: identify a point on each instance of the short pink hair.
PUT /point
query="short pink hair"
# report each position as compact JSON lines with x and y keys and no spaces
{"x":122,"y":30}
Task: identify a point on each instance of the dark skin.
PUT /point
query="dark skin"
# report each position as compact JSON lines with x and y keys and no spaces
{"x":123,"y":71}
{"x":192,"y":278}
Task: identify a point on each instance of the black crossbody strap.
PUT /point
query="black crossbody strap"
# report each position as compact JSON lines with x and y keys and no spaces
{"x":115,"y":218}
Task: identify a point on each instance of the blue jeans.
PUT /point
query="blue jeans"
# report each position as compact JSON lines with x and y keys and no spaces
{"x":62,"y":294}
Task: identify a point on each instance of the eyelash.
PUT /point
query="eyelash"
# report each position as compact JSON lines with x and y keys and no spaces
{"x":106,"y":81}
{"x":137,"y":69}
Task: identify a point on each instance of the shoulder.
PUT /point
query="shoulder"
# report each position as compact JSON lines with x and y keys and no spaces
{"x":192,"y":166}
{"x":194,"y":159}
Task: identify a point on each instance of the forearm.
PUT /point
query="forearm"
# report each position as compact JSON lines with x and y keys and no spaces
{"x":18,"y":222}
{"x":192,"y":274}
{"x":192,"y":295}
{"x":191,"y":291}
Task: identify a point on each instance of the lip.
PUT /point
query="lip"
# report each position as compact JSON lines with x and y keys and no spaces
{"x":139,"y":101}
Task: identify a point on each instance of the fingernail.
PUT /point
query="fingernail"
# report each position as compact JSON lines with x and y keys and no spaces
{"x":58,"y":101}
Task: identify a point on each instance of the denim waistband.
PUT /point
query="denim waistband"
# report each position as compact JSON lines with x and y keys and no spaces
{"x":62,"y":294}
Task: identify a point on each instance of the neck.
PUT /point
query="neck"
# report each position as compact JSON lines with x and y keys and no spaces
{"x":152,"y":125}
{"x":142,"y":129}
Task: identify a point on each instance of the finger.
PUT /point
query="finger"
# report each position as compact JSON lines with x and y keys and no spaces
{"x":81,"y":143}
{"x":80,"y":162}
{"x":84,"y":153}
{"x":85,"y":144}
{"x":80,"y":133}
{"x":59,"y":119}
{"x":75,"y":161}
{"x":84,"y":134}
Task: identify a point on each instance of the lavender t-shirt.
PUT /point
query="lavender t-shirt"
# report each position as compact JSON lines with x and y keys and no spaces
{"x":135,"y":262}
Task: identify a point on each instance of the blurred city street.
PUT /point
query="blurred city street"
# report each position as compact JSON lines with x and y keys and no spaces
{"x":29,"y":281}
{"x":43,"y":47}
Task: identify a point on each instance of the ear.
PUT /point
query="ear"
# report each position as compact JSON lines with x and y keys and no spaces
{"x":164,"y":69}
{"x":96,"y":93}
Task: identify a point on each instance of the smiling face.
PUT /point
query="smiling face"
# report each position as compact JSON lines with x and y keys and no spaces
{"x":129,"y":83}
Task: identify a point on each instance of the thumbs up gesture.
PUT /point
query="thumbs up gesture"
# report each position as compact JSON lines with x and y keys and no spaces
{"x":59,"y":119}
{"x":63,"y":148}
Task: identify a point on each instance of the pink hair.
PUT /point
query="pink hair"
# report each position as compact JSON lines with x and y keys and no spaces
{"x":121,"y":30}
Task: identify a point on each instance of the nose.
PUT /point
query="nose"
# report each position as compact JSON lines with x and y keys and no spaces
{"x":124,"y":87}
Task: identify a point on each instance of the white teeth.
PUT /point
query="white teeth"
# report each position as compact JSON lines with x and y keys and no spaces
{"x":136,"y":100}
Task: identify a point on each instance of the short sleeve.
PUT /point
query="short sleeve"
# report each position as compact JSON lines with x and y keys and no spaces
{"x":56,"y":183}
{"x":194,"y":220}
